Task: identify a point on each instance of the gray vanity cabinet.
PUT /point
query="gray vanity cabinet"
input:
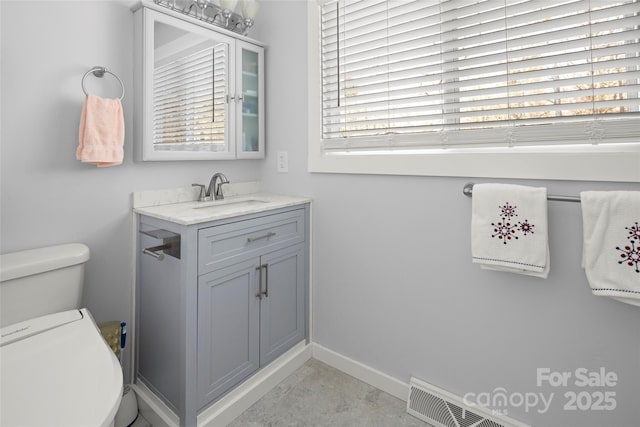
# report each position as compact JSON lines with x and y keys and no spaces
{"x":250,"y":297}
{"x":234,"y":301}
{"x":248,"y":314}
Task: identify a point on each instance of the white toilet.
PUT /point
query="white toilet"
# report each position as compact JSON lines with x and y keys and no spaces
{"x":55,"y":367}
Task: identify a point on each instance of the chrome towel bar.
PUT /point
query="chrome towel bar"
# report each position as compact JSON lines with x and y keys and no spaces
{"x":155,"y":251}
{"x":467,"y":190}
{"x":170,"y":244}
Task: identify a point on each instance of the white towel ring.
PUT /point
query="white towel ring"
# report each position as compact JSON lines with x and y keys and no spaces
{"x":99,"y":72}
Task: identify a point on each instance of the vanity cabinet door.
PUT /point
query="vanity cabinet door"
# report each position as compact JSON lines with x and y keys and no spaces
{"x":248,"y":314}
{"x":228,"y":328}
{"x":250,"y":109}
{"x":282,"y":303}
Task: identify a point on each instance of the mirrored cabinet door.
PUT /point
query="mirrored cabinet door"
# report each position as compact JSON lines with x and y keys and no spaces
{"x":199,"y":93}
{"x":190,"y":80}
{"x":250,"y":81}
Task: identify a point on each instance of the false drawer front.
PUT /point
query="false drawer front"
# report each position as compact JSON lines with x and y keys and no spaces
{"x":224,"y":245}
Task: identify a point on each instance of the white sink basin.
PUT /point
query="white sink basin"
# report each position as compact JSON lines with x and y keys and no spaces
{"x":231,"y":203}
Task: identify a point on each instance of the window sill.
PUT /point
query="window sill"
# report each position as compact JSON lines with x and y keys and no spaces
{"x":568,"y":163}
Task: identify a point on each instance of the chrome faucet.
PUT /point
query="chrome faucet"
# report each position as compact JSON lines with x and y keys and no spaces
{"x":215,"y":191}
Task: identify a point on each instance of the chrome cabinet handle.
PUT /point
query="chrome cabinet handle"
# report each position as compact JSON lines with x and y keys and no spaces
{"x":259,"y":294}
{"x":266,"y":281}
{"x":264,"y":236}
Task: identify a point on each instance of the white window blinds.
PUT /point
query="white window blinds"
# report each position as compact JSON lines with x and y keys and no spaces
{"x":190,"y":99}
{"x":434,"y":73}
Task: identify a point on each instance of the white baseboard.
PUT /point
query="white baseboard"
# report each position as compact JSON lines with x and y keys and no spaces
{"x":153,"y":409}
{"x":240,"y":399}
{"x":364,"y":373}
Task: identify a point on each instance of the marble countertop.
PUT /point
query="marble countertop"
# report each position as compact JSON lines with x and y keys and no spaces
{"x":195,"y":212}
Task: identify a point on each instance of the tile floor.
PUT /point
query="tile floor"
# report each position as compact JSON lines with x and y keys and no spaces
{"x":317,"y":395}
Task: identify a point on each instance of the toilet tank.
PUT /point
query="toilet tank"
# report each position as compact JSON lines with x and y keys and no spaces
{"x":41,"y":281}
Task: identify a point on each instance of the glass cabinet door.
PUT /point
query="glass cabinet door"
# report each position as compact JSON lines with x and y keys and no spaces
{"x":250,"y":78}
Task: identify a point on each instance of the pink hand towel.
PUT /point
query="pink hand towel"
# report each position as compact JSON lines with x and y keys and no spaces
{"x":101,"y":132}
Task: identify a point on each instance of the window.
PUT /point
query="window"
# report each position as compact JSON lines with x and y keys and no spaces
{"x":472,"y":78}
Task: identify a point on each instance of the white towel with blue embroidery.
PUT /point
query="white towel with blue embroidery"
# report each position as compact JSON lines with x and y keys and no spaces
{"x":509,"y":229}
{"x":611,"y":247}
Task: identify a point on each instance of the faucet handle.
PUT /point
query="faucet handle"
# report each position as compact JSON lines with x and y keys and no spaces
{"x":202,"y":197}
{"x":219,"y":194}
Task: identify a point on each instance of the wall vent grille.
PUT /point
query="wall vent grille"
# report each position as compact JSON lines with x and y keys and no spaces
{"x":443,"y":409}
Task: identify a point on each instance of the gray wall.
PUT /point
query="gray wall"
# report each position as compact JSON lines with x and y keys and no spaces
{"x":47,"y":196}
{"x":394,"y":287}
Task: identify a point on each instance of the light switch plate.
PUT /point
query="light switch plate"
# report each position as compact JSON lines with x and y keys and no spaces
{"x":283,"y":161}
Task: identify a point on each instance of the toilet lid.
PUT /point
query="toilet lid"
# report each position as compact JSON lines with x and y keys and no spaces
{"x":58,"y":371}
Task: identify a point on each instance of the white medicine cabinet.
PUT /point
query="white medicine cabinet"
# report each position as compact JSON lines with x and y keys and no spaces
{"x":199,"y":90}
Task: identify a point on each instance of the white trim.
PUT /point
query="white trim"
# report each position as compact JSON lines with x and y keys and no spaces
{"x":585,"y":166}
{"x":599,"y":163}
{"x":132,"y":336}
{"x":153,"y":409}
{"x":310,"y":274}
{"x":364,"y":373}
